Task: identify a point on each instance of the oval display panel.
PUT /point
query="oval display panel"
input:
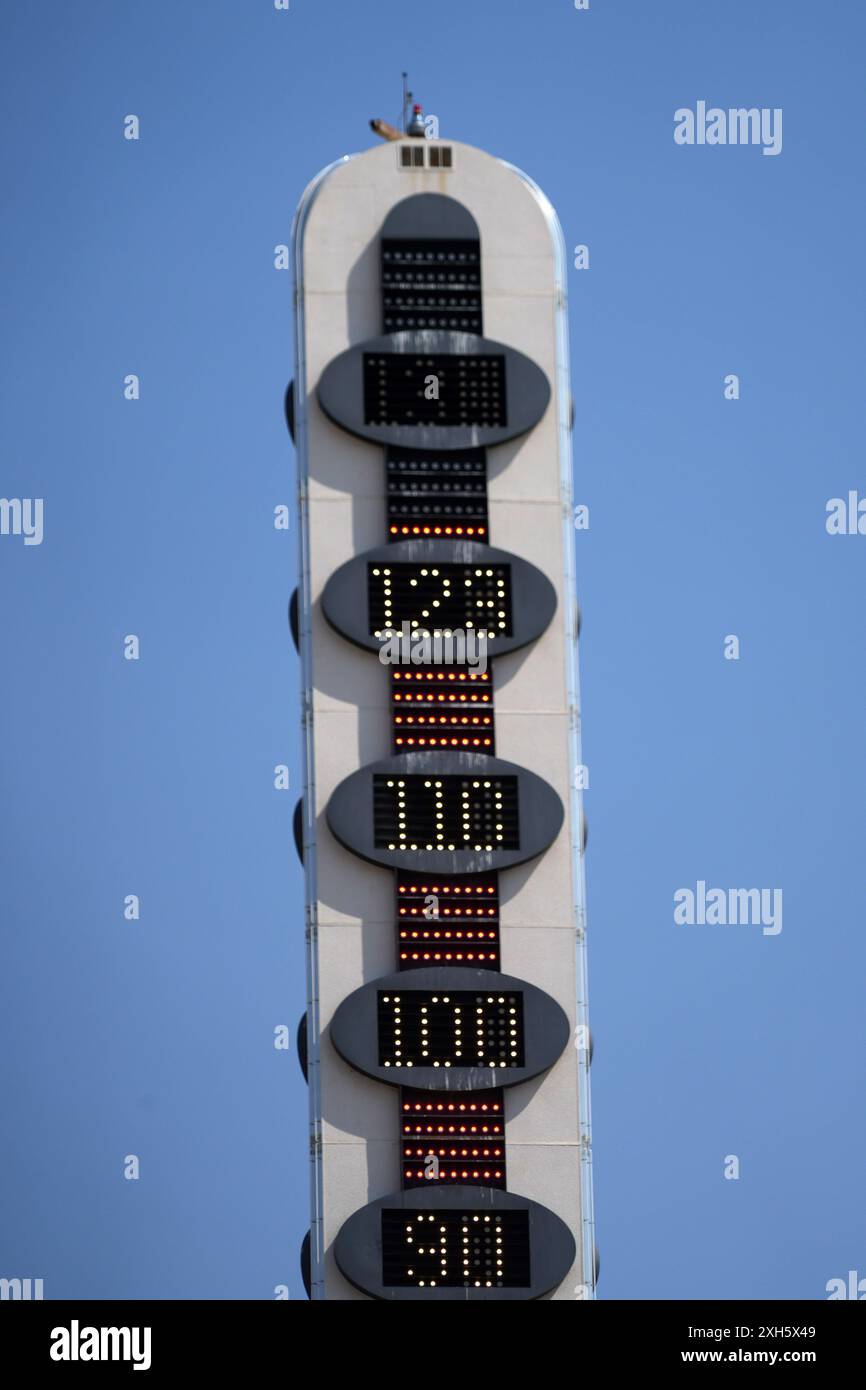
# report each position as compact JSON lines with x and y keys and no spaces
{"x":470,"y":1244}
{"x":453,"y":593}
{"x":447,"y":1027}
{"x":434,"y":389}
{"x":445,"y":812}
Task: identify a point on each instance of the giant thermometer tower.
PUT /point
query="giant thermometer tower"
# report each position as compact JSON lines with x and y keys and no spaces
{"x":446,"y":1037}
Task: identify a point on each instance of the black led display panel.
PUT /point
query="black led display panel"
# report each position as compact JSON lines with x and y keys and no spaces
{"x":385,"y":808}
{"x":440,"y":597}
{"x":441,"y":585}
{"x":452,"y":1139}
{"x":450,"y":1028}
{"x":444,"y":1116}
{"x":456,"y":1249}
{"x":432,"y":708}
{"x":476,"y":813}
{"x":431,"y":284}
{"x":447,"y":921}
{"x":435,"y":389}
{"x":437,"y":495}
{"x":481,"y":1245}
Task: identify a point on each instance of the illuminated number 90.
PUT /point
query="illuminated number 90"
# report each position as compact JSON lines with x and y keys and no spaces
{"x":431,"y":1257}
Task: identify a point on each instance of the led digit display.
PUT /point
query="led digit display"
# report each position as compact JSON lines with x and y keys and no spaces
{"x":441,"y":389}
{"x":438,"y":598}
{"x":438,"y":389}
{"x":434,"y":587}
{"x":445,"y":813}
{"x":453,"y":1028}
{"x":454,"y":1243}
{"x":456,"y":1249}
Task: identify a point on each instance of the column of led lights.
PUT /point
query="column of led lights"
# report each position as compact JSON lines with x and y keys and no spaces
{"x":448,"y":1028}
{"x":430,"y":495}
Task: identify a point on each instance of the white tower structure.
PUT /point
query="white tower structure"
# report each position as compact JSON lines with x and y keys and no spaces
{"x":446,"y":1036}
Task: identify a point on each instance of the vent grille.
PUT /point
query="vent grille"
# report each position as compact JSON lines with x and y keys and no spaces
{"x":411,"y":156}
{"x":431,"y":284}
{"x":421,"y":154}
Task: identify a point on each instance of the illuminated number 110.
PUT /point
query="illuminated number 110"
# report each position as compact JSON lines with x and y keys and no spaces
{"x":421,"y":818}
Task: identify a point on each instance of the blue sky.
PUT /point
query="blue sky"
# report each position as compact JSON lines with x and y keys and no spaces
{"x":707,"y":518}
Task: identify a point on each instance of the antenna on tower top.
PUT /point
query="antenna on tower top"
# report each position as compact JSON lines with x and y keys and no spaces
{"x":411,"y":119}
{"x":407,"y":97}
